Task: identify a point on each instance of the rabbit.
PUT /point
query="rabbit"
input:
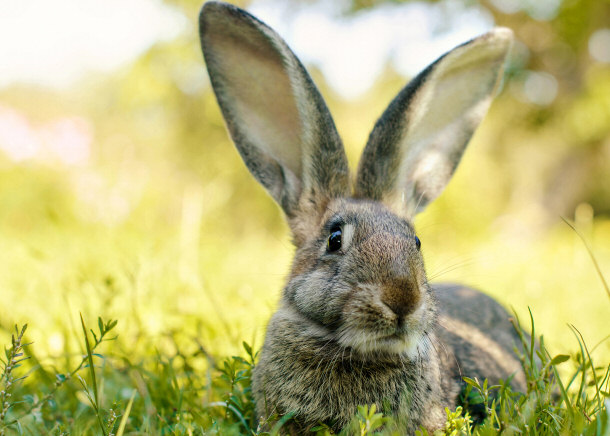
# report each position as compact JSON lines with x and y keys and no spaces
{"x":358,"y":323}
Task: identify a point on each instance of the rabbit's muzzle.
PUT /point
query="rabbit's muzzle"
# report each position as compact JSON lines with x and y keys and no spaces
{"x":386,"y":310}
{"x":396,"y":269}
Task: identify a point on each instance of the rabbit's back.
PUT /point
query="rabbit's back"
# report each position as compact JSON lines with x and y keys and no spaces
{"x":479,"y":339}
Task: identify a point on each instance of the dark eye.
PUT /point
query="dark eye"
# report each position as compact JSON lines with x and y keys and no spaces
{"x":334,"y":240}
{"x":417,"y":243}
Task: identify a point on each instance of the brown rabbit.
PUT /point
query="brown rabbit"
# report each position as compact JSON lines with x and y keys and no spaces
{"x":358,"y":322}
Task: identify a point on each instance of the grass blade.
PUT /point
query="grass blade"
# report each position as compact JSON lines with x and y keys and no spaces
{"x":92,"y":372}
{"x":588,"y":356}
{"x":125,"y":415}
{"x":583,"y":368}
{"x":564,"y":393}
{"x":90,"y":359}
{"x":595,"y":264}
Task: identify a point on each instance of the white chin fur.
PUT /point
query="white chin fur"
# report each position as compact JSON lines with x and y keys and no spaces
{"x":410,"y":345}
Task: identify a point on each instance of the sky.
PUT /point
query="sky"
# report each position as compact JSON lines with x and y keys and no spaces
{"x":56,"y":43}
{"x":352,"y":52}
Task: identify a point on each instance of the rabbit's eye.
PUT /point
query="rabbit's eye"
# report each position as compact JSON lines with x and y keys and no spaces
{"x":334,"y":240}
{"x":417,"y":243}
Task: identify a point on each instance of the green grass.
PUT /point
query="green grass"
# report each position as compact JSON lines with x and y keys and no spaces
{"x":109,"y":391}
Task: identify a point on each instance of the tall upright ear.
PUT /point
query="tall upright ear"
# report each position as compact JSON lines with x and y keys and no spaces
{"x":419,"y":140}
{"x":274,"y":112}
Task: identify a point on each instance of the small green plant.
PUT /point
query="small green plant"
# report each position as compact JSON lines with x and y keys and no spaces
{"x":14,"y":357}
{"x":369,"y":420}
{"x":31,"y":405}
{"x":458,"y":424}
{"x":236,"y":372}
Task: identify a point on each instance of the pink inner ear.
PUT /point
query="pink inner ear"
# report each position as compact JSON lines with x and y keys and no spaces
{"x":257,"y":86}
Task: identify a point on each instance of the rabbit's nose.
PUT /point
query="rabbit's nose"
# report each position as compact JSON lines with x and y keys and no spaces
{"x":402,"y":296}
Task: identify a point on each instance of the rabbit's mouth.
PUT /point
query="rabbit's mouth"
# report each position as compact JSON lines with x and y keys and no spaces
{"x":406,"y":337}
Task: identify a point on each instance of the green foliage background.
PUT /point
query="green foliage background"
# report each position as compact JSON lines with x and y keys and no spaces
{"x":164,"y":229}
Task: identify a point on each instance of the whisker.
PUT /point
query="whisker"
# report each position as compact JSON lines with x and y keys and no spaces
{"x":450,"y":268}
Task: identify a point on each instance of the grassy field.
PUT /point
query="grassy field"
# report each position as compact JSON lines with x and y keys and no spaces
{"x":187,"y":391}
{"x":187,"y":291}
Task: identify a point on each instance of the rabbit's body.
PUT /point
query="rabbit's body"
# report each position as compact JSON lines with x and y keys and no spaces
{"x":358,"y":322}
{"x":478,"y":337}
{"x":345,"y":348}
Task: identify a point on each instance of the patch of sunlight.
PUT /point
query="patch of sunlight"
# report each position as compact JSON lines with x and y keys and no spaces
{"x":56,"y":43}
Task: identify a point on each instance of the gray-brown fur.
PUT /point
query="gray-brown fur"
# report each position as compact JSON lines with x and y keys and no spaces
{"x":480,"y":334}
{"x":358,"y":322}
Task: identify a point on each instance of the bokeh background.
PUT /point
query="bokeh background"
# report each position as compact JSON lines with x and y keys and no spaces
{"x":122,"y":197}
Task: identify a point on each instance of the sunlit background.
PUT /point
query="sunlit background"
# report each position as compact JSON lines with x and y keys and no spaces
{"x":121,"y":195}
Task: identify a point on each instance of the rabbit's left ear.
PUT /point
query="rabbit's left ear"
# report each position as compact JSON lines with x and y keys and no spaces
{"x":419,"y":140}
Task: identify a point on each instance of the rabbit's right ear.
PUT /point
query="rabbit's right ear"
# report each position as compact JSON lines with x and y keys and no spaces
{"x":274,"y":112}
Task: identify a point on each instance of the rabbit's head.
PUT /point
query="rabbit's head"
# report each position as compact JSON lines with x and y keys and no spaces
{"x":361,"y":278}
{"x":358,"y":275}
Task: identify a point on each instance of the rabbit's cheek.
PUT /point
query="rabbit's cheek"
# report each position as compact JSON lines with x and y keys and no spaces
{"x":316,"y":297}
{"x":416,"y":321}
{"x":367,"y":312}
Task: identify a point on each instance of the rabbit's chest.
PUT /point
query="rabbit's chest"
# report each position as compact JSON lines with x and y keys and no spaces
{"x":329,"y":390}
